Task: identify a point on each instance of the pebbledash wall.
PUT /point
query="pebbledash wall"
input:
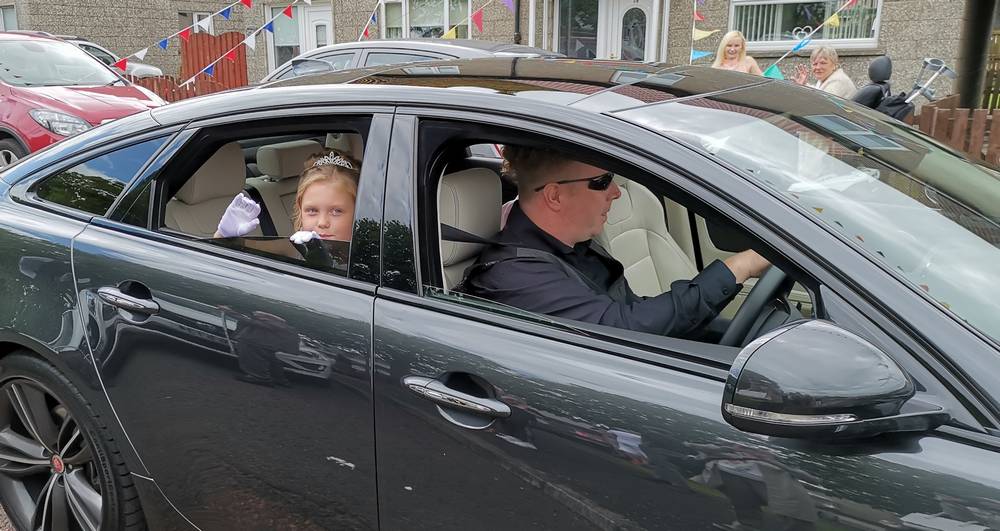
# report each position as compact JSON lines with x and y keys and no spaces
{"x":906,"y":30}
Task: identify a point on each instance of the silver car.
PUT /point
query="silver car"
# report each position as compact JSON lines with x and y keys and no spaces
{"x":132,"y":68}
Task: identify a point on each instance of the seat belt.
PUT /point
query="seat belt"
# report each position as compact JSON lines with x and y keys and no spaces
{"x":266,"y":223}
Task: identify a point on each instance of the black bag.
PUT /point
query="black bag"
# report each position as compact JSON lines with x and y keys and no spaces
{"x":896,"y":106}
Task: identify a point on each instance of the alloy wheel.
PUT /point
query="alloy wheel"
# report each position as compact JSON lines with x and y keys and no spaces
{"x":48,"y":474}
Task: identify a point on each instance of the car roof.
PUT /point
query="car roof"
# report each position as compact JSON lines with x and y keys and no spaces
{"x":20,"y":35}
{"x":504,"y":82}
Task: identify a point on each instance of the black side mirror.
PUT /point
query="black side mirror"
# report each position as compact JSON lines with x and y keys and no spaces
{"x":815,"y":380}
{"x":305,"y":66}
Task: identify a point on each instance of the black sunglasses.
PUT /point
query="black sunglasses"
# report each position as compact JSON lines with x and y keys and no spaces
{"x":599,"y":183}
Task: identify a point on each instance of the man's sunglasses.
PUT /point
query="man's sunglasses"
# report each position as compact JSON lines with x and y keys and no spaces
{"x":599,"y":183}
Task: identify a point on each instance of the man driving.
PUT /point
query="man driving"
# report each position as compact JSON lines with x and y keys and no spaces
{"x":544,"y":260}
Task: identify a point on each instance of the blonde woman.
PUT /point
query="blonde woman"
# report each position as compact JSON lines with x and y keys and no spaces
{"x":732,"y":55}
{"x":829,"y":76}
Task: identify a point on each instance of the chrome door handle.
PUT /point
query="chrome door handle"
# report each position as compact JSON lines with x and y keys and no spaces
{"x":441,"y":394}
{"x":115,"y":297}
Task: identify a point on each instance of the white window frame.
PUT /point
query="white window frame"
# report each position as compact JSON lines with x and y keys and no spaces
{"x":406,"y":17}
{"x":197,"y":17}
{"x":781,"y":46}
{"x":13,"y":8}
{"x":269,"y":37}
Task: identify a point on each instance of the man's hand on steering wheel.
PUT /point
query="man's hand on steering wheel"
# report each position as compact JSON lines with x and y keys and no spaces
{"x":747,"y":264}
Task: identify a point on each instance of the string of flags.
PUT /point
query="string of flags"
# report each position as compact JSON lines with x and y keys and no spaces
{"x":452,"y":33}
{"x":833,"y":20}
{"x":697,"y":34}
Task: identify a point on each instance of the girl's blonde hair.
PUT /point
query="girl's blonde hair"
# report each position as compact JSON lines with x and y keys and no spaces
{"x":320,"y":167}
{"x":720,"y":54}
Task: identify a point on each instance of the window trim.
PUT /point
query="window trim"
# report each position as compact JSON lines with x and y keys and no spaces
{"x":783,"y":46}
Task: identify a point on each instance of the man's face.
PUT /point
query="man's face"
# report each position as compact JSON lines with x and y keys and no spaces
{"x":584,"y":209}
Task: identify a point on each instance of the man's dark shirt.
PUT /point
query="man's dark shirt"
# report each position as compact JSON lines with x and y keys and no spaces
{"x":540,"y":286}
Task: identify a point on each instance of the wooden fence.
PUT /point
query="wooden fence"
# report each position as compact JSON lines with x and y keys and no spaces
{"x":198,"y":52}
{"x":991,"y":86}
{"x":975,"y":132}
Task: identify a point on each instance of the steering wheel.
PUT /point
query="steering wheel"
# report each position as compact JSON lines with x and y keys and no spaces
{"x":773,"y":284}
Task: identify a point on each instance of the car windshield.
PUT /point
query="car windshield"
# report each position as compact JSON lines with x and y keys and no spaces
{"x":40,"y":63}
{"x":922,"y":210}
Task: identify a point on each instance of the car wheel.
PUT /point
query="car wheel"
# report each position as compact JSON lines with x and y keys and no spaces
{"x":59,"y":465}
{"x":10,"y":152}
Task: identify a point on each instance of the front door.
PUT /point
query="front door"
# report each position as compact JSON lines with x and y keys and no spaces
{"x":626,"y":27}
{"x":318,"y":28}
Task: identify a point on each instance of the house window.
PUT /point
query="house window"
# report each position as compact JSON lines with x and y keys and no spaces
{"x":285,"y":41}
{"x":577,"y":28}
{"x":198,"y":17}
{"x":777,"y":24}
{"x":392,"y":16}
{"x":428,"y":18}
{"x":8,"y":22}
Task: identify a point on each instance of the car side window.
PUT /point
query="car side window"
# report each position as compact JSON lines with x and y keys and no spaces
{"x":338,"y":61}
{"x":289,"y":197}
{"x":94,"y":185}
{"x":389,"y":58}
{"x":103,"y":56}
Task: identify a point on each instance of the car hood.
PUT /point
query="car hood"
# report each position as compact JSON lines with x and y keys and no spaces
{"x":93,"y":104}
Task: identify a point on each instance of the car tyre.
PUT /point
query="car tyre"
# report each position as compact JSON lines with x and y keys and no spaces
{"x":10,"y":152}
{"x":61,"y":467}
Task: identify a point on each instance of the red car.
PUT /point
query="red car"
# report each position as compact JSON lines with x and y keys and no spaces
{"x":50,"y":89}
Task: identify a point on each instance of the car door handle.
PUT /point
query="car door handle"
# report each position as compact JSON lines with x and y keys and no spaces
{"x":441,"y":394}
{"x":115,"y":297}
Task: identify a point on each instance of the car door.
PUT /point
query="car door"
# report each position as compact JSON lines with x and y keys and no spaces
{"x":242,"y":380}
{"x":490,"y":417}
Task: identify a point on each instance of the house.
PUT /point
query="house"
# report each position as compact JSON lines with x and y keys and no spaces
{"x":646,"y":30}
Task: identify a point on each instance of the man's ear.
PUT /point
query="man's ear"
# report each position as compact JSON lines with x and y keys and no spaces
{"x":553,"y":197}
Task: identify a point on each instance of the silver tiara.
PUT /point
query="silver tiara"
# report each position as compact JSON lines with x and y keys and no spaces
{"x":333,"y":160}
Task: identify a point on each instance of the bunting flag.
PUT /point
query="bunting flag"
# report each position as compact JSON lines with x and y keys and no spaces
{"x":374,"y":20}
{"x":698,"y":34}
{"x":287,"y":12}
{"x":226,"y":12}
{"x":477,"y":19}
{"x":231,"y":55}
{"x":802,"y":44}
{"x":185,"y":33}
{"x":163,"y":44}
{"x":698,"y":17}
{"x":509,"y":4}
{"x":365,"y":34}
{"x":269,"y":27}
{"x":833,"y":21}
{"x":248,"y":3}
{"x":698,"y":54}
{"x":121,"y":64}
{"x":251,"y":41}
{"x":141,"y":54}
{"x":210,"y":70}
{"x":205,"y":24}
{"x":773,"y":72}
{"x":849,"y":4}
{"x":450,"y":34}
{"x":308,"y":2}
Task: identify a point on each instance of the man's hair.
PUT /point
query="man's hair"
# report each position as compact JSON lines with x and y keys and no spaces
{"x":529,"y":166}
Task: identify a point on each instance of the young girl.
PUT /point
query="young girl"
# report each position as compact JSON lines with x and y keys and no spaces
{"x":324,"y":202}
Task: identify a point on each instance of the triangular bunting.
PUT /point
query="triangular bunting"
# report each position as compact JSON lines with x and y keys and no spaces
{"x":185,"y":34}
{"x":269,"y":26}
{"x":226,"y":13}
{"x":121,"y":64}
{"x":365,"y":34}
{"x":579,"y":45}
{"x":248,"y":3}
{"x":308,"y":2}
{"x":833,"y":21}
{"x":374,"y":19}
{"x":210,"y":70}
{"x":163,"y":44}
{"x":801,"y":44}
{"x":698,"y":54}
{"x":231,"y":55}
{"x":450,"y":34}
{"x":698,"y":34}
{"x":477,"y":19}
{"x":287,"y":12}
{"x":774,"y":73}
{"x":850,"y":3}
{"x":141,"y":54}
{"x":509,"y":4}
{"x":205,"y":24}
{"x":251,"y":41}
{"x":698,"y":16}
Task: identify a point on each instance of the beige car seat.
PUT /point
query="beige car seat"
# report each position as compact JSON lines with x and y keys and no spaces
{"x":350,"y":143}
{"x":468,"y":200}
{"x":280,"y":166}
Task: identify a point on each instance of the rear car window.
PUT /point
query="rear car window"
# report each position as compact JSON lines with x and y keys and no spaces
{"x":94,"y":185}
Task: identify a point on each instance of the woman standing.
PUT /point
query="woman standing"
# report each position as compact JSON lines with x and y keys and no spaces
{"x":829,"y":76}
{"x":732,"y":55}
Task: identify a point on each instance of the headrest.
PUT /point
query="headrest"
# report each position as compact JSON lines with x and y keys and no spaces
{"x":350,"y":143}
{"x":286,"y":159}
{"x":880,"y":69}
{"x":222,"y":175}
{"x":468,"y":200}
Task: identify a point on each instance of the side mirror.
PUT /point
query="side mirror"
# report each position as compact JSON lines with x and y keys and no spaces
{"x":305,"y":66}
{"x":815,"y":380}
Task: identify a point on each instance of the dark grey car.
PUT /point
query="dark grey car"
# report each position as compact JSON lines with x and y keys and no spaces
{"x":154,"y":374}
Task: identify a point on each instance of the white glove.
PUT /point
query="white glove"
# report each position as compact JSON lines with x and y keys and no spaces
{"x":240,"y":217}
{"x":303,"y":236}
